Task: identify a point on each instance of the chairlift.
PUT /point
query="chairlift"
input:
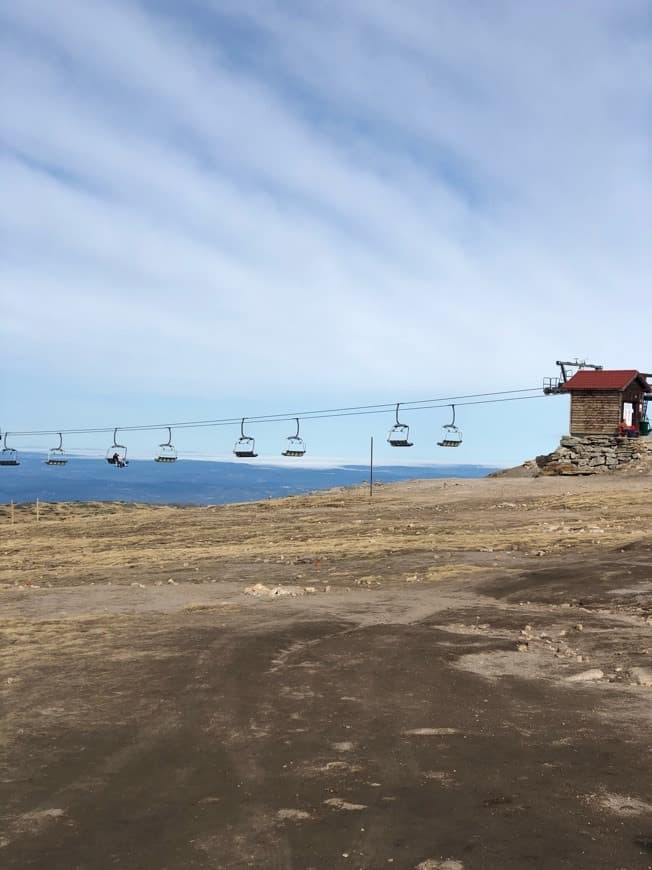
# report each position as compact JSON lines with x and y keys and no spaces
{"x":8,"y":455}
{"x":244,"y":447}
{"x":56,"y":455}
{"x":552,"y":386}
{"x":399,"y":434}
{"x":295,"y":446}
{"x":166,"y":450}
{"x":450,"y":434}
{"x":114,"y":456}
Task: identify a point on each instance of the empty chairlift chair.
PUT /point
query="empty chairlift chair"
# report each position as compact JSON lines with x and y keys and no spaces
{"x":56,"y":455}
{"x":8,"y":455}
{"x":399,"y":434}
{"x":166,"y":450}
{"x":244,"y":447}
{"x":294,"y":445}
{"x":450,"y":434}
{"x":116,"y":455}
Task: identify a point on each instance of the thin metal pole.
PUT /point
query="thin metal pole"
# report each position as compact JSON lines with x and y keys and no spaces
{"x":371,"y":468}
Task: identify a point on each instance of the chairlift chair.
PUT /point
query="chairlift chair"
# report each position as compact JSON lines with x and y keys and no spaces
{"x":166,"y":450}
{"x":244,"y":447}
{"x":399,"y":434}
{"x":551,"y":386}
{"x":114,"y":456}
{"x":451,"y":436}
{"x":56,"y":455}
{"x":8,"y":455}
{"x":295,"y":446}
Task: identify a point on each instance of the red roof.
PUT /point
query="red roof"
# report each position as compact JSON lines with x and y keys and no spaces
{"x":587,"y":379}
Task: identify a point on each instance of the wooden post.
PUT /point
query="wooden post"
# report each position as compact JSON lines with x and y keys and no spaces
{"x":371,"y":468}
{"x":11,"y":511}
{"x":37,"y":511}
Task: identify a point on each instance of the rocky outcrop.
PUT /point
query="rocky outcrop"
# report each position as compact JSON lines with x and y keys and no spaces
{"x":593,"y":454}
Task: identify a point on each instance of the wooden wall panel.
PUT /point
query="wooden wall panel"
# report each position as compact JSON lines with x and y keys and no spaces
{"x":595,"y":412}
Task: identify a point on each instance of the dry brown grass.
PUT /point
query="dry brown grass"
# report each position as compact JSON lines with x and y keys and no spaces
{"x":94,"y":543}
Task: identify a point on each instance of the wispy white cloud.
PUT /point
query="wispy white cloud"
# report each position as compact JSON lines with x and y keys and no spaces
{"x":338,"y":197}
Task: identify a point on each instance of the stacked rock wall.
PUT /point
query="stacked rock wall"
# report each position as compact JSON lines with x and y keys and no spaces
{"x":592,"y":454}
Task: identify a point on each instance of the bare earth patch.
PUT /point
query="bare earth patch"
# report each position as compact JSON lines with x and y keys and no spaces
{"x":452,"y":675}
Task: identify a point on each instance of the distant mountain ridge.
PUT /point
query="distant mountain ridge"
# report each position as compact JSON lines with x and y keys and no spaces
{"x":193,"y":482}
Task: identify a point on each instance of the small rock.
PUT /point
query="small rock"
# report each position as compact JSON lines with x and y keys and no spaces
{"x":292,"y":815}
{"x":259,"y":590}
{"x":642,"y":676}
{"x":432,"y":864}
{"x":340,"y":804}
{"x":586,"y":676}
{"x":429,"y":732}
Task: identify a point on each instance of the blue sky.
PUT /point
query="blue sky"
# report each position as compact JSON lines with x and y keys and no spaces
{"x":215,"y":208}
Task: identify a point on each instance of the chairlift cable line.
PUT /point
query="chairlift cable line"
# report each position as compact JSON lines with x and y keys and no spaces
{"x":350,"y":411}
{"x":316,"y":415}
{"x":326,"y":416}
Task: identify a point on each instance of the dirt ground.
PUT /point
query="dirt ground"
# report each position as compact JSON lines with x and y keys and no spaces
{"x":451,"y":675}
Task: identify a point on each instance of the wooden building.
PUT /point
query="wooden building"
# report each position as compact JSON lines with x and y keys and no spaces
{"x":601,"y":400}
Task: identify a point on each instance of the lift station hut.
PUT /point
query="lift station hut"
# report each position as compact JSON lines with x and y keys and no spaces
{"x":601,"y":400}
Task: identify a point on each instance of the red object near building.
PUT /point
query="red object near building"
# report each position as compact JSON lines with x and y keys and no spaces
{"x":602,"y":400}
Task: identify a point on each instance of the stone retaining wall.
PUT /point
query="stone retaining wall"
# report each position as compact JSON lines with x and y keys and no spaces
{"x":593,"y":454}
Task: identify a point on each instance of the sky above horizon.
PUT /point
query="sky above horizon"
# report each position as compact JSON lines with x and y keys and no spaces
{"x":218,"y":209}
